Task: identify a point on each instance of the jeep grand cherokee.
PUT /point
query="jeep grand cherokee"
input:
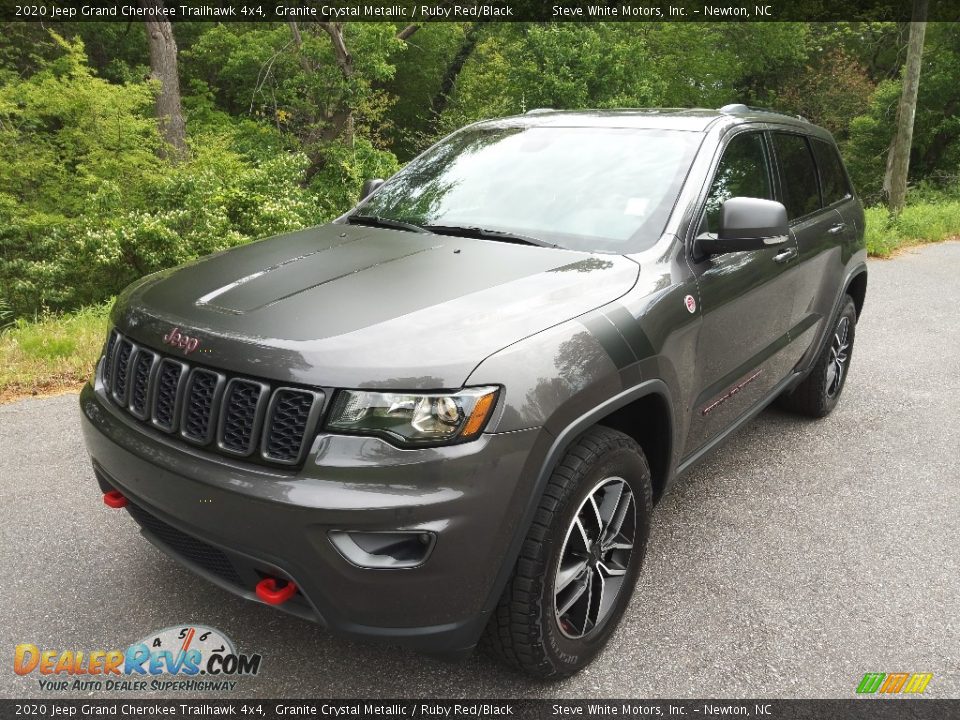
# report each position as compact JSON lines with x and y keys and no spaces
{"x":443,"y":418}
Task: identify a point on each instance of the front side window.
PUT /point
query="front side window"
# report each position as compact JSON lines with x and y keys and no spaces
{"x":583,"y":188}
{"x":742,"y":172}
{"x":798,"y":173}
{"x":833,"y":179}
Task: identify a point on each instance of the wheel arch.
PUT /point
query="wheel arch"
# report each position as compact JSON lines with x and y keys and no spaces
{"x":648,"y":420}
{"x":857,"y":289}
{"x":644,"y":413}
{"x":615,"y":412}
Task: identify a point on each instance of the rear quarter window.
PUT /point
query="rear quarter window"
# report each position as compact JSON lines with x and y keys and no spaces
{"x":798,"y":174}
{"x":833,"y":179}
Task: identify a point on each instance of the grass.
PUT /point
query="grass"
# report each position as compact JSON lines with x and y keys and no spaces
{"x":53,"y":354}
{"x":920,"y":222}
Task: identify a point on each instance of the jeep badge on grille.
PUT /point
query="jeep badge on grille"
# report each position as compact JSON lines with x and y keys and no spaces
{"x":179,"y":340}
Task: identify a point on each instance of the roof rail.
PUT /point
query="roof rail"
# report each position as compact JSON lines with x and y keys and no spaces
{"x":537,"y":111}
{"x":741,"y":109}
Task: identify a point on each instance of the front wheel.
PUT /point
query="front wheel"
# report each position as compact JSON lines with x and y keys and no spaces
{"x":580,"y":560}
{"x":819,"y":393}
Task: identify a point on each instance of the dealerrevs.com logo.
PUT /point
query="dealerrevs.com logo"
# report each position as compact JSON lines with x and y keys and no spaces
{"x":183,"y":657}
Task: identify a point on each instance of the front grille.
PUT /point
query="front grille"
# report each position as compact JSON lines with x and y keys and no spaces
{"x":202,"y":390}
{"x":139,"y":400}
{"x":289,"y":414}
{"x":120,"y":379}
{"x":196,"y":551}
{"x":241,"y":408}
{"x":235,"y":416}
{"x":168,"y":385}
{"x":108,"y":360}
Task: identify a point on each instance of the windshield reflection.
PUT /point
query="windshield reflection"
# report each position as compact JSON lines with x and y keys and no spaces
{"x":591,"y":189}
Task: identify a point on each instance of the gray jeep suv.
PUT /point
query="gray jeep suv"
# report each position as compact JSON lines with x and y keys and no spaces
{"x":443,"y":419}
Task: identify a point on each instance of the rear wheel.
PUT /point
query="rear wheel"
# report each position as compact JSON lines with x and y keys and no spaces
{"x":580,"y":560}
{"x":819,"y":393}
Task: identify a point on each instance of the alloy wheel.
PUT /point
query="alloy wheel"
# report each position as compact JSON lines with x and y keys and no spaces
{"x":594,"y":559}
{"x":839,"y":354}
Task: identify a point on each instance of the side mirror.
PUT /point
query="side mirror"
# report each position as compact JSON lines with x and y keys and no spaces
{"x":747,"y":224}
{"x":370,"y":187}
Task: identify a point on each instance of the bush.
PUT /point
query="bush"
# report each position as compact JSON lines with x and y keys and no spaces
{"x":5,"y":315}
{"x":88,"y":206}
{"x":57,"y":352}
{"x":920,"y":222}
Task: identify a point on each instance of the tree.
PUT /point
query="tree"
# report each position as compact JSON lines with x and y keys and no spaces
{"x":341,"y":121}
{"x":163,"y":67}
{"x":898,"y":160}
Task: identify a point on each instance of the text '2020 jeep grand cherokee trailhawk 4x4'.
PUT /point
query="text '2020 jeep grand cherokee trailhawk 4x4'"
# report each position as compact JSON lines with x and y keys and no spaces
{"x":444,"y":418}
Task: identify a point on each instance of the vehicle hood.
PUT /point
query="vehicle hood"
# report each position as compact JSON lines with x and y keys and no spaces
{"x":353,"y":306}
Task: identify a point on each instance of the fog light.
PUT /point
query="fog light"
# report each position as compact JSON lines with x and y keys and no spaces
{"x":384,"y":550}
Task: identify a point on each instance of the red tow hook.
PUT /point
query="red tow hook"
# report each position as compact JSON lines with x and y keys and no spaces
{"x":268,"y":591}
{"x":114,"y":499}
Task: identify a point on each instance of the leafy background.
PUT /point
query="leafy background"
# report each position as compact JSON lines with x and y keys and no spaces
{"x":279,"y":137}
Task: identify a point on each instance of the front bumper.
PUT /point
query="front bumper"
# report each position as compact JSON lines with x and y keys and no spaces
{"x":234,"y":523}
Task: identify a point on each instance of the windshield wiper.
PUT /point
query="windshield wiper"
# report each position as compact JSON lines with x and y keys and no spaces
{"x":377,"y":221}
{"x":487,"y":234}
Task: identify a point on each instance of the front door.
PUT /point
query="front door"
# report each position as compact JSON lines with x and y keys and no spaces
{"x":746,"y":300}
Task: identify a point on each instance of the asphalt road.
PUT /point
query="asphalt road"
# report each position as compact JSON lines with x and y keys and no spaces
{"x":791,"y":561}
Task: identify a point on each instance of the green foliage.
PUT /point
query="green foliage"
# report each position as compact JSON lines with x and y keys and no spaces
{"x":6,"y":315}
{"x":87,"y":205}
{"x":283,"y":136}
{"x":830,"y":91}
{"x":931,"y":218}
{"x":343,"y":171}
{"x":421,"y":66}
{"x":869,"y":140}
{"x":51,"y":353}
{"x":936,"y":143}
{"x":935,"y":154}
{"x":607,"y":65}
{"x":217,"y":200}
{"x":260,"y":72}
{"x":711,"y":64}
{"x":517,"y":67}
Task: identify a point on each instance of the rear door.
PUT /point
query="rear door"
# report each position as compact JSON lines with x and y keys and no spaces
{"x":813,"y":194}
{"x":746,"y":299}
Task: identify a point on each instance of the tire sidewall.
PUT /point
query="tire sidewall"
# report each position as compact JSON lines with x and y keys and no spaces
{"x":848,"y":311}
{"x":568,"y":655}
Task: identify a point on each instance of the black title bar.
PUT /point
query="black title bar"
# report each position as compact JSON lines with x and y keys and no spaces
{"x":872,"y":708}
{"x":473,"y":10}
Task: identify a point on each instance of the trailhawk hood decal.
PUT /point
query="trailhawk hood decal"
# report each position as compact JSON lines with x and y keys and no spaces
{"x":351,"y":306}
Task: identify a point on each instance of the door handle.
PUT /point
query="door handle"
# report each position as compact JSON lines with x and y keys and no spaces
{"x":785,"y":255}
{"x":837,"y":229}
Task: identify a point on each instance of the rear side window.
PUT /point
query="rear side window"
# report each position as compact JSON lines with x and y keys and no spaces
{"x":833,"y":180}
{"x":742,"y":172}
{"x":798,"y":174}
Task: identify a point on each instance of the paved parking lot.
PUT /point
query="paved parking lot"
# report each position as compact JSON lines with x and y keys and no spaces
{"x":793,"y":560}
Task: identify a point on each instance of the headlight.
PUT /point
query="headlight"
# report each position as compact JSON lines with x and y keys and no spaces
{"x":414,"y":419}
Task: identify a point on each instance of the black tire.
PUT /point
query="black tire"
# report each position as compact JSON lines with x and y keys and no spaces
{"x":525,"y":629}
{"x":819,"y":392}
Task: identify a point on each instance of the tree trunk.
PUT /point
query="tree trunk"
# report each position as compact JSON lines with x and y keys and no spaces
{"x":341,"y":121}
{"x":408,"y":32}
{"x":441,"y":99}
{"x":898,"y":159}
{"x":163,"y":67}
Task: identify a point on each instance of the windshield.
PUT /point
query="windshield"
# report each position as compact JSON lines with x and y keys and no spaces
{"x":592,"y":189}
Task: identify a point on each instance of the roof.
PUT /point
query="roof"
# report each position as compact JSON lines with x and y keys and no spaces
{"x":691,"y":119}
